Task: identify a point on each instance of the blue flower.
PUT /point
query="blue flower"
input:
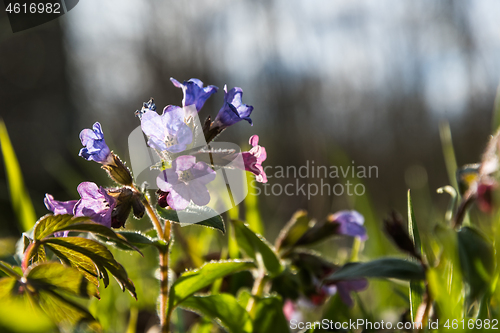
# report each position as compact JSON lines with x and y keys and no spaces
{"x":350,"y":223}
{"x":194,"y":93}
{"x":168,"y":131}
{"x":96,"y":148}
{"x":233,"y":109}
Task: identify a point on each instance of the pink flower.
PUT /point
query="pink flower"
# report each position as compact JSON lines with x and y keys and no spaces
{"x":253,"y":159}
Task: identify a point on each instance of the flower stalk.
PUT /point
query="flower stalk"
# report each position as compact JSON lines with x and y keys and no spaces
{"x":164,"y":234}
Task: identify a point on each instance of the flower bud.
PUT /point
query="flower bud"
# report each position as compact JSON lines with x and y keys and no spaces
{"x":118,"y":171}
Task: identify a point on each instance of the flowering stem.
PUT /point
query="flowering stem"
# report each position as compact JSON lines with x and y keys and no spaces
{"x":163,"y":234}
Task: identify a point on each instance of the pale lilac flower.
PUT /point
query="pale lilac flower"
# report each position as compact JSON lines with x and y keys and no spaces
{"x":350,"y":223}
{"x":96,"y":148}
{"x":168,"y":131}
{"x":186,"y":181}
{"x":253,"y":159}
{"x":233,"y":109}
{"x":95,"y":203}
{"x":194,"y":93}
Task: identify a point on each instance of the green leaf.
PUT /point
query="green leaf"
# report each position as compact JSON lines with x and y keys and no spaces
{"x":252,"y":243}
{"x":53,"y":275}
{"x":19,"y":195}
{"x":49,"y":224}
{"x":294,"y":229}
{"x":269,"y":317}
{"x":476,"y":260}
{"x":382,"y":268}
{"x":101,"y":230}
{"x":64,"y":311}
{"x":7,"y":287}
{"x":14,"y":272}
{"x":416,"y":287}
{"x":98,"y":253}
{"x":76,"y":260}
{"x":222,"y":308}
{"x":20,"y":316}
{"x":195,"y":280}
{"x":138,"y":240}
{"x":205,"y":214}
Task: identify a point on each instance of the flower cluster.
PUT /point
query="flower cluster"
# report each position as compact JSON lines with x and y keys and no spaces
{"x":183,"y":179}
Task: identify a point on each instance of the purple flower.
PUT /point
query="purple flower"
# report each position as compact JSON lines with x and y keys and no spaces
{"x":96,"y":148}
{"x":59,"y":207}
{"x":233,"y":109}
{"x":344,"y":288}
{"x":194,"y":93}
{"x":253,"y":159}
{"x":168,"y":131}
{"x":350,"y":223}
{"x":186,"y":181}
{"x":95,"y":203}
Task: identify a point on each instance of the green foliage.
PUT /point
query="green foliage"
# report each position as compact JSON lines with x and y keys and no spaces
{"x":209,"y":218}
{"x":222,"y":308}
{"x":269,"y":316}
{"x":476,"y":261}
{"x":88,"y":256}
{"x":381,"y":268}
{"x":45,"y":284}
{"x":21,"y":201}
{"x":194,"y":281}
{"x":416,"y":287}
{"x":257,"y":248}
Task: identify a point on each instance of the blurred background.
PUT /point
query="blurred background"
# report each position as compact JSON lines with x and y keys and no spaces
{"x":371,"y":79}
{"x":331,"y":82}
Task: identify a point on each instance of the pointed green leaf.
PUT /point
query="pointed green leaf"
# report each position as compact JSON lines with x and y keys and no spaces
{"x":49,"y":224}
{"x":195,"y":280}
{"x":101,"y":230}
{"x":79,"y":261}
{"x":98,"y":253}
{"x":223,"y":309}
{"x":19,"y":195}
{"x":54,"y":276}
{"x":294,"y":229}
{"x":381,"y":268}
{"x":251,"y":244}
{"x":416,"y":287}
{"x":12,"y":271}
{"x":207,"y":216}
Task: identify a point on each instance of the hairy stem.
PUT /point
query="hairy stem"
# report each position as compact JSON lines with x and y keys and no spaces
{"x":165,"y":235}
